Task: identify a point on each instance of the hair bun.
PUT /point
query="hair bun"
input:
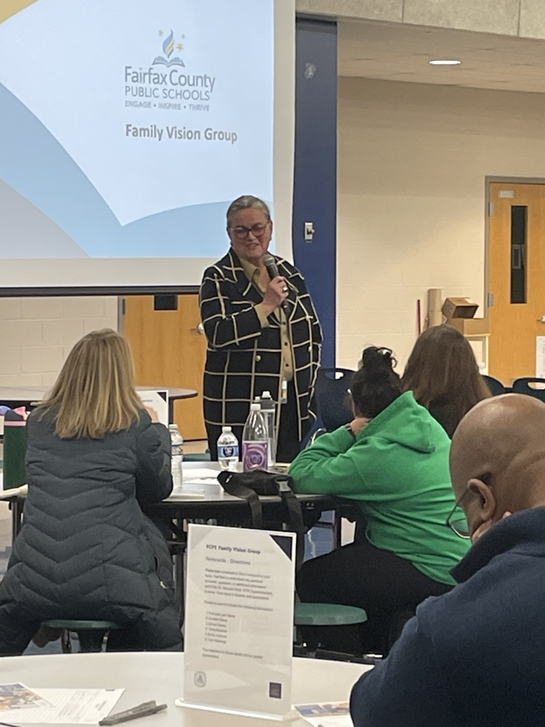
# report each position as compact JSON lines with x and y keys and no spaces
{"x":378,"y":360}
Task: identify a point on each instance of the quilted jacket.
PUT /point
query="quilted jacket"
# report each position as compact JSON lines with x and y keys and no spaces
{"x":86,"y":550}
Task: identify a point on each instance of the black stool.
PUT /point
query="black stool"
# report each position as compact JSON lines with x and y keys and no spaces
{"x":90,"y":633}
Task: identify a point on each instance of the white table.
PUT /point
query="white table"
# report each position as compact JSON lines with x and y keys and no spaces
{"x":30,"y":394}
{"x":159,"y":676}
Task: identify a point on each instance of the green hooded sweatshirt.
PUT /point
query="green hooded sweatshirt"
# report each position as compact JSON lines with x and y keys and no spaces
{"x":397,"y":469}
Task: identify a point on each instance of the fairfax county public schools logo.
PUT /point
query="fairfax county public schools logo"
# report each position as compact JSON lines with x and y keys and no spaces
{"x":165,"y":83}
{"x":168,"y":49}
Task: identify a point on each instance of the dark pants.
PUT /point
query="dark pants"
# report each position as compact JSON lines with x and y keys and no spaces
{"x":386,"y":586}
{"x":18,"y":625}
{"x":288,"y":444}
{"x":16,"y":630}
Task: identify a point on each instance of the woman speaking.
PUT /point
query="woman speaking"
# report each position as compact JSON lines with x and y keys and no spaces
{"x":263,"y":333}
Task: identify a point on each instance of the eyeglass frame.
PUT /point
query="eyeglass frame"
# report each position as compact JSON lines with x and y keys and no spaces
{"x":251,"y":229}
{"x":448,"y":522}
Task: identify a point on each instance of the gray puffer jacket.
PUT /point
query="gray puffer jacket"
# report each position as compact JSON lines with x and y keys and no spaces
{"x":86,"y":550}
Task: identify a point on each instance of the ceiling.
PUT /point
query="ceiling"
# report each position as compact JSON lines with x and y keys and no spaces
{"x":400,"y":52}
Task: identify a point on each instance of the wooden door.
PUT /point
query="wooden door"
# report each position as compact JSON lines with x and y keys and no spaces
{"x":516,"y":271}
{"x":169,"y":350}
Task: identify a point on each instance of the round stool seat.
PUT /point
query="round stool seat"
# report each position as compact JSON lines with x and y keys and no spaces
{"x":327,"y":614}
{"x":80,"y":625}
{"x":91,"y":634}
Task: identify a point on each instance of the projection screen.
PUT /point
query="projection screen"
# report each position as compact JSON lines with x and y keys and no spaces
{"x":127,"y":127}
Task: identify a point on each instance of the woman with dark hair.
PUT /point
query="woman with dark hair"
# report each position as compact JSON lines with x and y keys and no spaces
{"x":392,"y":459}
{"x":443,"y":375}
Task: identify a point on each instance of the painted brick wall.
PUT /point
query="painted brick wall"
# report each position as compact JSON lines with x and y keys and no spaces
{"x":36,"y":334}
{"x":523,"y":18}
{"x":413,"y":160}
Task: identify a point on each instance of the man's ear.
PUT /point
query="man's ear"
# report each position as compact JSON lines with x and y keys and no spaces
{"x":486,"y":502}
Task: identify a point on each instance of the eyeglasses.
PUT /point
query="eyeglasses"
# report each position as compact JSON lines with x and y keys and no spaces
{"x":241,"y":232}
{"x":457,"y":520}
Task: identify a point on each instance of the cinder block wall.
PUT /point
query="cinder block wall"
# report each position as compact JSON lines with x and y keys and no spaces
{"x":518,"y":18}
{"x":37,"y":333}
{"x":413,"y":159}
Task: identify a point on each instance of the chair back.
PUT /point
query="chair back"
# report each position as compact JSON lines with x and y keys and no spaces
{"x":333,"y":397}
{"x":495,"y":385}
{"x":524,"y":386}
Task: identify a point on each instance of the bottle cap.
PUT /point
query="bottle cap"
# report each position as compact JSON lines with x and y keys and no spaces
{"x":266,"y":395}
{"x":226,"y":429}
{"x":255,"y":407}
{"x":172,"y":426}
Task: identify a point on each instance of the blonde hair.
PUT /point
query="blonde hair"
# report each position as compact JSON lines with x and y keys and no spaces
{"x":95,"y":392}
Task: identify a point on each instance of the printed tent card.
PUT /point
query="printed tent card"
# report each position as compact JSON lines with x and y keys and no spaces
{"x":239,"y":620}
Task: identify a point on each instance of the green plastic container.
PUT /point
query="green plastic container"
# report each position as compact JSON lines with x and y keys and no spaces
{"x":14,"y":454}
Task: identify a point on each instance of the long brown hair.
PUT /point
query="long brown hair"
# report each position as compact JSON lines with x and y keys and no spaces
{"x":95,"y":393}
{"x":442,"y":372}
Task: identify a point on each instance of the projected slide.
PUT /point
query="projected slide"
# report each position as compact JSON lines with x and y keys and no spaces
{"x":127,"y":126}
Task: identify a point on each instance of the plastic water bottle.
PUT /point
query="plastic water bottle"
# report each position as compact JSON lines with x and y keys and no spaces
{"x":227,"y":446}
{"x":177,"y":455}
{"x":255,"y":441}
{"x":268,"y":411}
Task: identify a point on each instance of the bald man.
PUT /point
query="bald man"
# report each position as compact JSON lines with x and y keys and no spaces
{"x":476,"y":656}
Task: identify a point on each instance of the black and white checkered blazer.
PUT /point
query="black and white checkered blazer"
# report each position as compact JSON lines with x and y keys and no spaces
{"x":244,"y":359}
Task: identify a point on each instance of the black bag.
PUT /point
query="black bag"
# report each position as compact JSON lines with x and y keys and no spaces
{"x":250,"y":485}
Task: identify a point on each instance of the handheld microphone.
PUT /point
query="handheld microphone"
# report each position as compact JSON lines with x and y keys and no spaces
{"x":272,"y":268}
{"x":270,"y":264}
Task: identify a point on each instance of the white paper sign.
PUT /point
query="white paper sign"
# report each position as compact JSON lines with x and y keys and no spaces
{"x":326,"y":714}
{"x":157,"y":399}
{"x":540,"y":357}
{"x":69,"y":706}
{"x":239,"y":620}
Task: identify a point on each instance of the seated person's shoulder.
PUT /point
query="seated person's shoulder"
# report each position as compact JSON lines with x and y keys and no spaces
{"x":150,"y":429}
{"x":40,"y":420}
{"x":143,"y":422}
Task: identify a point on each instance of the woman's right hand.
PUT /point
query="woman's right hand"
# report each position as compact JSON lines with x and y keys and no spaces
{"x":275,"y":295}
{"x":153,"y":414}
{"x":357,"y":424}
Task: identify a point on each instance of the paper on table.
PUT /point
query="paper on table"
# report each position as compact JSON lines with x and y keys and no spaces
{"x":17,"y":696}
{"x":326,"y":714}
{"x":71,"y":706}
